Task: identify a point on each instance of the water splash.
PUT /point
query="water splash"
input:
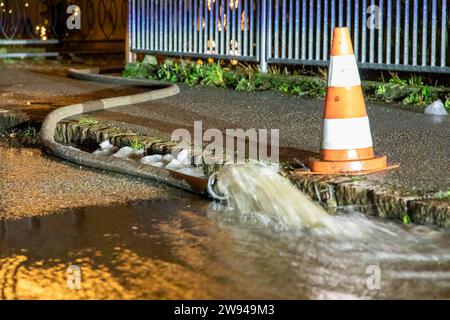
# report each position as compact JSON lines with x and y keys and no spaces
{"x":258,"y":191}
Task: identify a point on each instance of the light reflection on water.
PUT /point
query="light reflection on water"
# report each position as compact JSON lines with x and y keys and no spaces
{"x":182,"y":249}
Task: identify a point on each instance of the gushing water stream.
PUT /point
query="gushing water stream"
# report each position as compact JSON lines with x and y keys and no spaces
{"x":259,"y":192}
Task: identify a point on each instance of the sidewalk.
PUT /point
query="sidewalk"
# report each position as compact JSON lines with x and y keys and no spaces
{"x":421,"y":144}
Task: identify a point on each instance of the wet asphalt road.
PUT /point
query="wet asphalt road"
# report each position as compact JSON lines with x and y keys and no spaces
{"x":420,"y":143}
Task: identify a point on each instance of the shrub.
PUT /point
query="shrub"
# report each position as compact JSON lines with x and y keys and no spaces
{"x":284,"y":87}
{"x":165,"y":72}
{"x":213,"y":75}
{"x":411,"y":92}
{"x":423,"y":95}
{"x":192,"y":74}
{"x":245,"y":84}
{"x":137,"y":70}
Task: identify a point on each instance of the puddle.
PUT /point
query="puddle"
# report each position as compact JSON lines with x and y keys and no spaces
{"x":181,"y":248}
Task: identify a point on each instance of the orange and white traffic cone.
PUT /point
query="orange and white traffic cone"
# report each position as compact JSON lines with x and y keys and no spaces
{"x":347,"y":142}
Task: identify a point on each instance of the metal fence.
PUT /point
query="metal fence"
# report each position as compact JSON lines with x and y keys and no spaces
{"x":223,"y":29}
{"x":403,"y":35}
{"x":43,"y":23}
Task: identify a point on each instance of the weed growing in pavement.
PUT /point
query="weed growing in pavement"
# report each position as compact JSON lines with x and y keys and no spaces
{"x":380,"y":91}
{"x":406,"y":219}
{"x":421,"y":97}
{"x":136,"y":144}
{"x":443,"y":194}
{"x":447,"y":104}
{"x":87,"y":121}
{"x":30,"y":132}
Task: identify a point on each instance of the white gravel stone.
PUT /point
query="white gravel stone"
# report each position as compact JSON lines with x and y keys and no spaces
{"x":436,"y":109}
{"x":174,"y":165}
{"x":184,"y":156}
{"x":106,"y":149}
{"x":152,"y":158}
{"x":124,"y":152}
{"x":106,"y":145}
{"x":167,"y":157}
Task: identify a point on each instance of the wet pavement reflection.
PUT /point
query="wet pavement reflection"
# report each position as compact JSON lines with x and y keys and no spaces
{"x":181,"y":248}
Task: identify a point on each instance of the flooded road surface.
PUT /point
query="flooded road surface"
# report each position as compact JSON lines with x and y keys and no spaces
{"x":181,"y":248}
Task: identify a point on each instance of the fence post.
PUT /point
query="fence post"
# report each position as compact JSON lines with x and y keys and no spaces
{"x":130,"y":57}
{"x":444,"y":42}
{"x":263,"y":35}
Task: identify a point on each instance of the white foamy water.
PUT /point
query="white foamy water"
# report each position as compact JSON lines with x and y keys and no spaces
{"x":259,"y":191}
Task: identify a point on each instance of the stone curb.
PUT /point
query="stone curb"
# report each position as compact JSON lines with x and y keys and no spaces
{"x":71,"y":132}
{"x":49,"y":126}
{"x":373,"y":198}
{"x":11,"y":118}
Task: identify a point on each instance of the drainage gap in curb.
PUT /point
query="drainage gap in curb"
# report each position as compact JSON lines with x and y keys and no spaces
{"x":17,"y":130}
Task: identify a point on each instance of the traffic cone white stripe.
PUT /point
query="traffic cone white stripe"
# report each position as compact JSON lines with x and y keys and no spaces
{"x":343,"y":72}
{"x":350,"y":133}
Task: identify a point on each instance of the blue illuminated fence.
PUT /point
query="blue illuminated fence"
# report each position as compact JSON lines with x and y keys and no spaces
{"x":219,"y":29}
{"x":403,"y":35}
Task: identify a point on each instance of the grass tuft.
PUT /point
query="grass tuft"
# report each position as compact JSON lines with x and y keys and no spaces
{"x":443,"y":194}
{"x":406,"y":219}
{"x":87,"y":121}
{"x":136,"y":144}
{"x":447,"y":104}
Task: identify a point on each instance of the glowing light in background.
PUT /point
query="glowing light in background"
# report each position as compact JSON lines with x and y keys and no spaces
{"x":42,"y":31}
{"x":222,"y":25}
